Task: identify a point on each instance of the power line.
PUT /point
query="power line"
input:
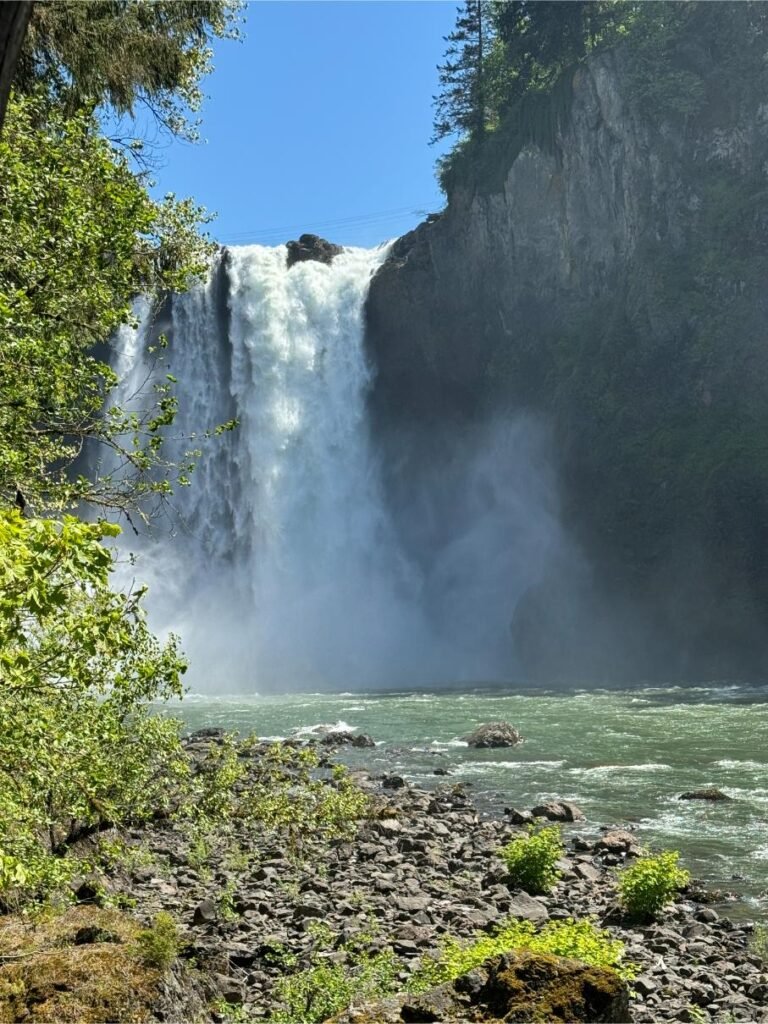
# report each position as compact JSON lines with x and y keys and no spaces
{"x":282,"y":234}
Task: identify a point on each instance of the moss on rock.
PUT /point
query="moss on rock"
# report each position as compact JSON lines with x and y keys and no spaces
{"x":530,"y":987}
{"x":80,"y":967}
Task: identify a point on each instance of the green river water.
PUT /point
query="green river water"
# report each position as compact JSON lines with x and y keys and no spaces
{"x":623,"y":756}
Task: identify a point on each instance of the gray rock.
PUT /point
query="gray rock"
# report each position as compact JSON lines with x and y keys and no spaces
{"x":526,"y":907}
{"x":588,"y":872}
{"x":494,"y":734}
{"x":558,"y":810}
{"x":205,"y":912}
{"x":518,"y":817}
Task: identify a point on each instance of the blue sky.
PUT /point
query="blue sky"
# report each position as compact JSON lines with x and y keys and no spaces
{"x":319,"y":121}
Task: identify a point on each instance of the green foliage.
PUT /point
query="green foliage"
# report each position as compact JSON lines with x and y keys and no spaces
{"x":159,"y":945}
{"x":531,"y":860}
{"x":649,"y":884}
{"x":580,"y":940}
{"x":286,"y":796}
{"x":80,"y":237}
{"x":231,"y":1013}
{"x":226,"y":902}
{"x":532,"y":50}
{"x":78,"y":665}
{"x":759,"y":943}
{"x":329,"y":986}
{"x":124,"y":53}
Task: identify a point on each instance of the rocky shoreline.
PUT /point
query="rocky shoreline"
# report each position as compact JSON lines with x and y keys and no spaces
{"x":426,"y":866}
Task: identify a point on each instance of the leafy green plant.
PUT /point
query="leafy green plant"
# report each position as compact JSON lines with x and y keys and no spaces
{"x":287,"y":796}
{"x":78,"y":666}
{"x":231,"y":1013}
{"x":531,"y":860}
{"x":226,"y":902}
{"x":159,"y":945}
{"x":759,"y":942}
{"x":327,"y":988}
{"x":649,"y":884}
{"x":580,"y":940}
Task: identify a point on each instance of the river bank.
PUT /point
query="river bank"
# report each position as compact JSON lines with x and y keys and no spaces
{"x":255,"y":906}
{"x":620,"y":754}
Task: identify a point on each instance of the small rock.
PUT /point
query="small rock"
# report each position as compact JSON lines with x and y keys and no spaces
{"x":644,"y":984}
{"x":303,"y":910}
{"x":209,"y":733}
{"x":526,"y":907}
{"x":617,"y":841}
{"x":230,"y":990}
{"x":205,"y":912}
{"x":518,"y":817}
{"x":707,"y":915}
{"x":393,"y":782}
{"x":588,"y":872}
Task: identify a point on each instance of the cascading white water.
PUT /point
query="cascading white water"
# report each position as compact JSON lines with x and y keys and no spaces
{"x":283,"y":570}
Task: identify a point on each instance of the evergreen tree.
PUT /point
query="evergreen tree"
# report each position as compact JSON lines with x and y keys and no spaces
{"x":541,"y":37}
{"x":122,"y":54}
{"x":461,"y":107}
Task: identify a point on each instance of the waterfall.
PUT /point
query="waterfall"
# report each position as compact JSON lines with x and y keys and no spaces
{"x":282,"y":568}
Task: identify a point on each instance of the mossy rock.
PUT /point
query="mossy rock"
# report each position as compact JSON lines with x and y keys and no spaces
{"x":83,"y":967}
{"x":530,"y":987}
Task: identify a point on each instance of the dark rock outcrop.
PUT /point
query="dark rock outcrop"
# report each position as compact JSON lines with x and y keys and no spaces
{"x":522,"y":987}
{"x":312,"y":247}
{"x":709,"y":793}
{"x":605,"y":277}
{"x":347,"y":739}
{"x":494,"y":734}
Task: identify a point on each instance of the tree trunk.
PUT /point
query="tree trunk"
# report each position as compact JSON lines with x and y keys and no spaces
{"x":14,"y":17}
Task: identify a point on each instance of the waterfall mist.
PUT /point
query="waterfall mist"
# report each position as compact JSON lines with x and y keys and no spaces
{"x":290,"y":566}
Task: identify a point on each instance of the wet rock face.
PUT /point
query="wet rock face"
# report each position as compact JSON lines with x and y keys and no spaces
{"x":516,"y":986}
{"x":494,"y":734}
{"x":312,"y":247}
{"x":592,"y":248}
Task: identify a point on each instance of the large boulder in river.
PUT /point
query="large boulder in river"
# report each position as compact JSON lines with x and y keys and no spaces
{"x":518,"y":986}
{"x":558,"y":810}
{"x":312,"y":247}
{"x":340,"y":738}
{"x":494,"y":734}
{"x":709,"y":793}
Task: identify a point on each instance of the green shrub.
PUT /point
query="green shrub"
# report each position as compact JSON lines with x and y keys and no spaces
{"x":759,"y":943}
{"x":650,"y":883}
{"x":159,"y":945}
{"x":579,"y":940}
{"x":287,"y":796}
{"x":327,"y":987}
{"x":531,"y":859}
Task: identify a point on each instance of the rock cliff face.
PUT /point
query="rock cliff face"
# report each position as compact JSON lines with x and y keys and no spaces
{"x":613,"y":283}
